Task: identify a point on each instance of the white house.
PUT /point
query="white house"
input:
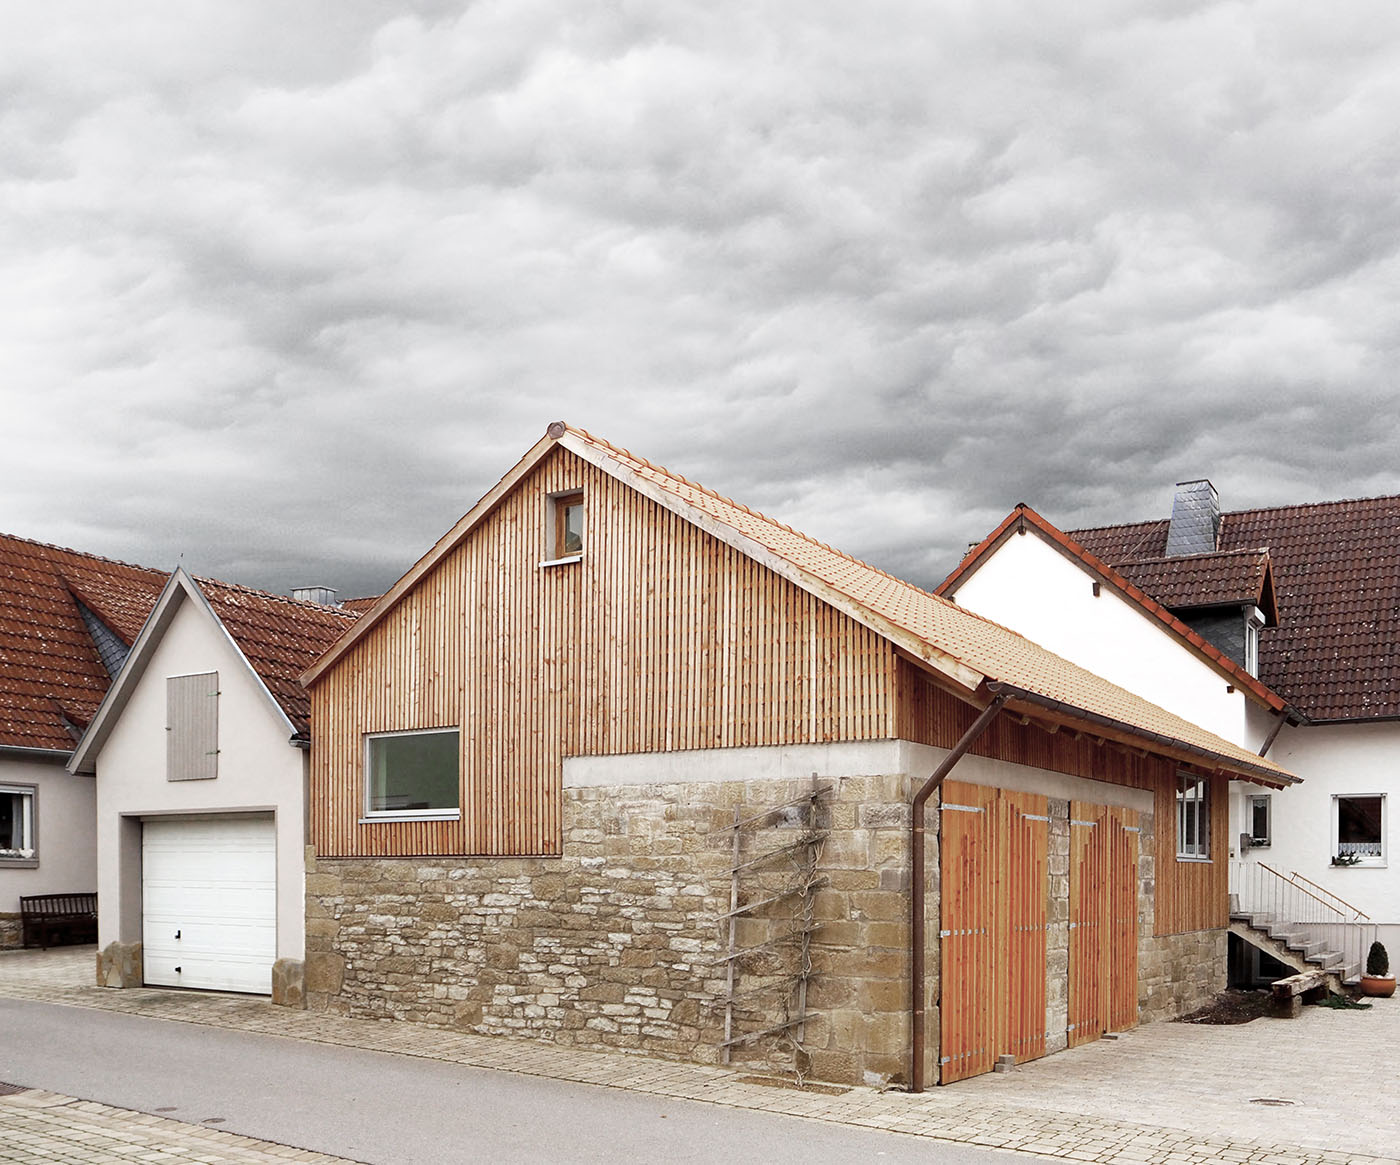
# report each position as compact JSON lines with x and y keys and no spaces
{"x":199,"y":750}
{"x":1332,"y":655}
{"x":67,"y":620}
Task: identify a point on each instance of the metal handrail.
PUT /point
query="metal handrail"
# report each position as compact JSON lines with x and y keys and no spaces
{"x":1291,"y":882}
{"x":1313,"y":928}
{"x":1294,"y":876}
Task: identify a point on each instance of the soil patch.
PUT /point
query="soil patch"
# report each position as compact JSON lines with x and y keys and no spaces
{"x":1230,"y":1007}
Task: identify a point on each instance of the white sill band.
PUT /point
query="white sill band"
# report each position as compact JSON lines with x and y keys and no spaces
{"x":562,"y":561}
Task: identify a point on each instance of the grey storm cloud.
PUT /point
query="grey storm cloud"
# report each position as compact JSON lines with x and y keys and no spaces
{"x":288,"y":287}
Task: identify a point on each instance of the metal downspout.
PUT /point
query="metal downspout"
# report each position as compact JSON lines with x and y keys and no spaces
{"x":916,"y":841}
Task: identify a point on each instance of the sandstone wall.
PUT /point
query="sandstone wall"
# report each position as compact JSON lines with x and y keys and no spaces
{"x":619,"y":943}
{"x":11,"y":931}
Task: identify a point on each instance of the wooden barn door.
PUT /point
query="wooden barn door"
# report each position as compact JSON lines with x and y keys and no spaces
{"x":1103,"y":930}
{"x":967,"y":826}
{"x":995,"y":893}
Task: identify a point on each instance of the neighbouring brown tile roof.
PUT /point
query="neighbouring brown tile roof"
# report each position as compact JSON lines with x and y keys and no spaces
{"x":49,"y":667}
{"x":359,"y":606}
{"x":1335,"y":654}
{"x":280,"y":637}
{"x":998,"y":653}
{"x":1225,"y":578}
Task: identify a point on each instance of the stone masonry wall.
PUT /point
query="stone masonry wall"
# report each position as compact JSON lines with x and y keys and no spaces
{"x":620,"y":942}
{"x":11,"y":931}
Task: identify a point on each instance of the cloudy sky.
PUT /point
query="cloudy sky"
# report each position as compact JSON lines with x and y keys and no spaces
{"x":287,"y":286}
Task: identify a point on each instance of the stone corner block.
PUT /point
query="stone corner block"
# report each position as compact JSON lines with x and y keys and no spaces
{"x":119,"y":965}
{"x":289,"y":983}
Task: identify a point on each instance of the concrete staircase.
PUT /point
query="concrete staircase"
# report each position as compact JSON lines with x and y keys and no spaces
{"x":1296,"y":945}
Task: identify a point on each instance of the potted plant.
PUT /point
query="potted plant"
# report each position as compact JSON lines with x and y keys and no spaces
{"x":1378,"y":980}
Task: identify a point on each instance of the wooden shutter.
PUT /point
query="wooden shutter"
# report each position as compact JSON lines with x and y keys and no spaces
{"x":192,"y":727}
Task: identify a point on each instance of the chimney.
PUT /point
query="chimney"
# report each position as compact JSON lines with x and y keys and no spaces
{"x":323,"y":595}
{"x":1195,"y":527}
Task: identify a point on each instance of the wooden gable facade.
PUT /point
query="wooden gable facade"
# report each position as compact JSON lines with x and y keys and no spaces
{"x":658,"y":637}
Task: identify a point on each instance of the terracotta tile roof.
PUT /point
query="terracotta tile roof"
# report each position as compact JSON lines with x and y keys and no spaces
{"x":49,"y":667}
{"x":1025,"y":517}
{"x":359,"y":606}
{"x":1335,"y":654}
{"x":996,"y":652}
{"x":280,"y":637}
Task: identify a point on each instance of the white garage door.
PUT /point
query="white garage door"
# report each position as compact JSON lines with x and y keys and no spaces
{"x":209,"y":903}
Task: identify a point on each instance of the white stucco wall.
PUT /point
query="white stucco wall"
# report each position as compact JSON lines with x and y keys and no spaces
{"x":258,"y":771}
{"x":66,"y":831}
{"x":1345,"y":759}
{"x":1031,"y":587}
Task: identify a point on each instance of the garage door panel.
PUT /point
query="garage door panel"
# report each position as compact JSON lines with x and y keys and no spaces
{"x":209,"y":902}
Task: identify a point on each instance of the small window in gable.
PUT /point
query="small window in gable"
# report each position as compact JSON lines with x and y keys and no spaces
{"x":413,"y":775}
{"x":192,"y":727}
{"x":19,"y":844}
{"x":566,"y":526}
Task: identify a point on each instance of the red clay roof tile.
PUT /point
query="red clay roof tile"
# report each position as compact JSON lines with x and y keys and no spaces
{"x":49,"y":666}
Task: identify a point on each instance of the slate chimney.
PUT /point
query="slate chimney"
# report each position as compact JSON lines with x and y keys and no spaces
{"x":1195,"y":526}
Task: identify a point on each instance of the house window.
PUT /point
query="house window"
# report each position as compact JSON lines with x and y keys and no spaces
{"x":1192,"y":817}
{"x":1251,"y":645}
{"x":192,"y":727}
{"x":1259,"y":824}
{"x":566,"y":529}
{"x":1358,"y":829}
{"x":19,"y":844}
{"x":413,"y":775}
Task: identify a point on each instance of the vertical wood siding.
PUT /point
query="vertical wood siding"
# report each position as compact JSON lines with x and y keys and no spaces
{"x":661,"y":638}
{"x":1103,"y":920}
{"x":995,"y":888}
{"x":1189,"y":895}
{"x":1192,"y":895}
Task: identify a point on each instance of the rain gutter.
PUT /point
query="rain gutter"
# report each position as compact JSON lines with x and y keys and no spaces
{"x":916,"y":841}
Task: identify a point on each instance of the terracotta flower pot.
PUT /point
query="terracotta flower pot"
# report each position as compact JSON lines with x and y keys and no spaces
{"x":1380,"y":986}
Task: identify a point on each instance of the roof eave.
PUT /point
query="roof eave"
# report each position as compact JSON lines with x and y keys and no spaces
{"x":1169,"y":746}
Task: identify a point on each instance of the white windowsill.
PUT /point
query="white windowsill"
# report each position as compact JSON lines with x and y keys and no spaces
{"x":428,"y":815}
{"x":562,"y":561}
{"x":1193,"y":858}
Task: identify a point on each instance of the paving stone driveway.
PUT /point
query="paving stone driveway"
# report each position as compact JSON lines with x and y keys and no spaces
{"x":1170,"y":1093}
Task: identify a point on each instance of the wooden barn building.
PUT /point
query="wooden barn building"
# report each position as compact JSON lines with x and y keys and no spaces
{"x":620,"y":762}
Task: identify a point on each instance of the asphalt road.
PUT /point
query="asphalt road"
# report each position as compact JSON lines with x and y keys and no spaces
{"x":384,"y":1108}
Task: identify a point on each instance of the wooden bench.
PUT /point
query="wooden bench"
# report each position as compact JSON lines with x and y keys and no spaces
{"x":56,"y":919}
{"x":1288,"y":995}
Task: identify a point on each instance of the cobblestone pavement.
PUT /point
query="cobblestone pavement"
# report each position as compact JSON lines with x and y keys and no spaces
{"x":42,"y":1127}
{"x":1164,"y":1094}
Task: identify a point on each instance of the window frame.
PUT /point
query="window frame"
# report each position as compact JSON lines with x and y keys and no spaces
{"x":369,"y":816}
{"x":1365,"y":862}
{"x":30,"y":797}
{"x":1252,"y":802}
{"x":1252,"y":628}
{"x":558,"y":508}
{"x":1199,"y":806}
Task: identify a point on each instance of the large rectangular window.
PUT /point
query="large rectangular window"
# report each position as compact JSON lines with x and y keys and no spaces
{"x":19,"y":843}
{"x":1192,"y":817}
{"x":1358,"y":829}
{"x":413,"y":775}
